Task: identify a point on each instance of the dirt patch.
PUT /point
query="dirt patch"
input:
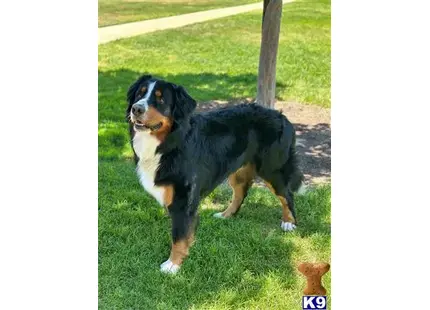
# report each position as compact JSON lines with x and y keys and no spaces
{"x":313,"y":128}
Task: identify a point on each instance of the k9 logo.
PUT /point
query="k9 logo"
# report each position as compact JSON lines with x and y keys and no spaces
{"x":314,"y":302}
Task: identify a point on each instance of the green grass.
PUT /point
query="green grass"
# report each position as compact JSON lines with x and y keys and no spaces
{"x":112,"y":12}
{"x":219,"y":59}
{"x":242,"y":263}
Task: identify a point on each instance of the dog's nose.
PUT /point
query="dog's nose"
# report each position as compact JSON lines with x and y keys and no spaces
{"x":137,"y":109}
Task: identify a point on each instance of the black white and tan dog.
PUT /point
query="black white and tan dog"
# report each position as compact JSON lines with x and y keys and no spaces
{"x":181,"y":157}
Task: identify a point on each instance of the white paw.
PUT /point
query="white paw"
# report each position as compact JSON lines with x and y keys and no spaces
{"x":219,"y":215}
{"x":303,"y":189}
{"x":169,"y":267}
{"x":287,"y":226}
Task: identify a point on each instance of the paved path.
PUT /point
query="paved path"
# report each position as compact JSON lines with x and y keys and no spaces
{"x":111,"y":33}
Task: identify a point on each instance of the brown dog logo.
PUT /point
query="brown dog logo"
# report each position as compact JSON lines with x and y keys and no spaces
{"x":313,"y":273}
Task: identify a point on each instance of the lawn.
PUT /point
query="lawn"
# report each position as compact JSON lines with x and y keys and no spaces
{"x":246,"y":262}
{"x":242,"y":263}
{"x":219,"y":59}
{"x":112,"y":12}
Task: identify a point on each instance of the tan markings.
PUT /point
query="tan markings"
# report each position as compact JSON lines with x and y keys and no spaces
{"x":240,"y":181}
{"x":287,"y":216}
{"x":164,"y":130}
{"x":269,"y":186}
{"x":143,"y":89}
{"x":169,"y":193}
{"x":153,"y":117}
{"x":180,"y":249}
{"x":158,"y":96}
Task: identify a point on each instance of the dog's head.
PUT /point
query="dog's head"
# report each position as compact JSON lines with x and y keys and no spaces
{"x":155,"y":105}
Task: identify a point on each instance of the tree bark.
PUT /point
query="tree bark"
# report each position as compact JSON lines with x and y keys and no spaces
{"x":265,"y":4}
{"x":266,"y":84}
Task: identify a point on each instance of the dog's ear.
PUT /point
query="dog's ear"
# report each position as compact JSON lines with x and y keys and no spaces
{"x":134,"y":87}
{"x":184,"y":104}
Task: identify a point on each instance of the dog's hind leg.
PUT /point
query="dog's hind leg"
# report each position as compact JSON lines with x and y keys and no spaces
{"x":240,"y":181}
{"x":286,"y":198}
{"x":283,"y":182}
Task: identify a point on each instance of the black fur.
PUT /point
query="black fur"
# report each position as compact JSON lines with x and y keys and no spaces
{"x":203,"y":149}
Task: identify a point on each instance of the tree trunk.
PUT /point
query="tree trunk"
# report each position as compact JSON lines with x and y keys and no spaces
{"x":266,"y":84}
{"x":265,"y":4}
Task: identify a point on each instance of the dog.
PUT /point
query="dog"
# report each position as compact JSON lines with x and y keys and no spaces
{"x":183,"y":156}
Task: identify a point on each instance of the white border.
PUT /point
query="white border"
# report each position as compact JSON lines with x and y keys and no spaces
{"x":380,"y":162}
{"x":48,"y":200}
{"x":48,"y":221}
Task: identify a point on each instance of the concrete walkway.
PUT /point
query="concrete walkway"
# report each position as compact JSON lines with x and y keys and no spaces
{"x":111,"y":33}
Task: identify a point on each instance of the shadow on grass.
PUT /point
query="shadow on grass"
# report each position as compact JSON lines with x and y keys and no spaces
{"x":203,"y":87}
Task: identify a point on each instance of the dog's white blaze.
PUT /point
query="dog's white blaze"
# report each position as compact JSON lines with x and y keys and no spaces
{"x":144,"y":100}
{"x":144,"y":145}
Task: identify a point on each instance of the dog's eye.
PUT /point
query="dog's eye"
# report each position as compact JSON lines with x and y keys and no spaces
{"x":158,"y":96}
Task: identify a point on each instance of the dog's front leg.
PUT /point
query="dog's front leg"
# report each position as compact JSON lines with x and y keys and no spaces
{"x":184,"y":223}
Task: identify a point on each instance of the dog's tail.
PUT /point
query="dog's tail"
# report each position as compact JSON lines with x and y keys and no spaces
{"x":294,"y":174}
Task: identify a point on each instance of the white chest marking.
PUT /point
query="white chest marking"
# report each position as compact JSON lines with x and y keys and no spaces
{"x":144,"y":145}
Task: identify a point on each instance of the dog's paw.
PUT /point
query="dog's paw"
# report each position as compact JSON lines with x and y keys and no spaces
{"x":303,"y":189}
{"x":287,"y":226}
{"x":169,"y":267}
{"x":219,"y":215}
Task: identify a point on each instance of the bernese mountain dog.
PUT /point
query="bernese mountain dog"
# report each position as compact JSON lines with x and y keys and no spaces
{"x":182,"y":156}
